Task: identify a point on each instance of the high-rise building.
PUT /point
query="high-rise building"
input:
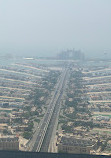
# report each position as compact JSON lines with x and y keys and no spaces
{"x":71,"y":55}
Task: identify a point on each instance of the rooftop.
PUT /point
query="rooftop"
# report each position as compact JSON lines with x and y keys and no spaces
{"x":19,"y":154}
{"x":71,"y":141}
{"x":8,"y":139}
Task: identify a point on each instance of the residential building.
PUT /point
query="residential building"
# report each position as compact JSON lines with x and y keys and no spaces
{"x":73,"y":145}
{"x":9,"y":143}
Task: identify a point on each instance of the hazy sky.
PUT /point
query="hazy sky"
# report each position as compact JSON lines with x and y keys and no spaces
{"x":38,"y":27}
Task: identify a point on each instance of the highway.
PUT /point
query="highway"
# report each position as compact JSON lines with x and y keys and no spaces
{"x":50,"y":116}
